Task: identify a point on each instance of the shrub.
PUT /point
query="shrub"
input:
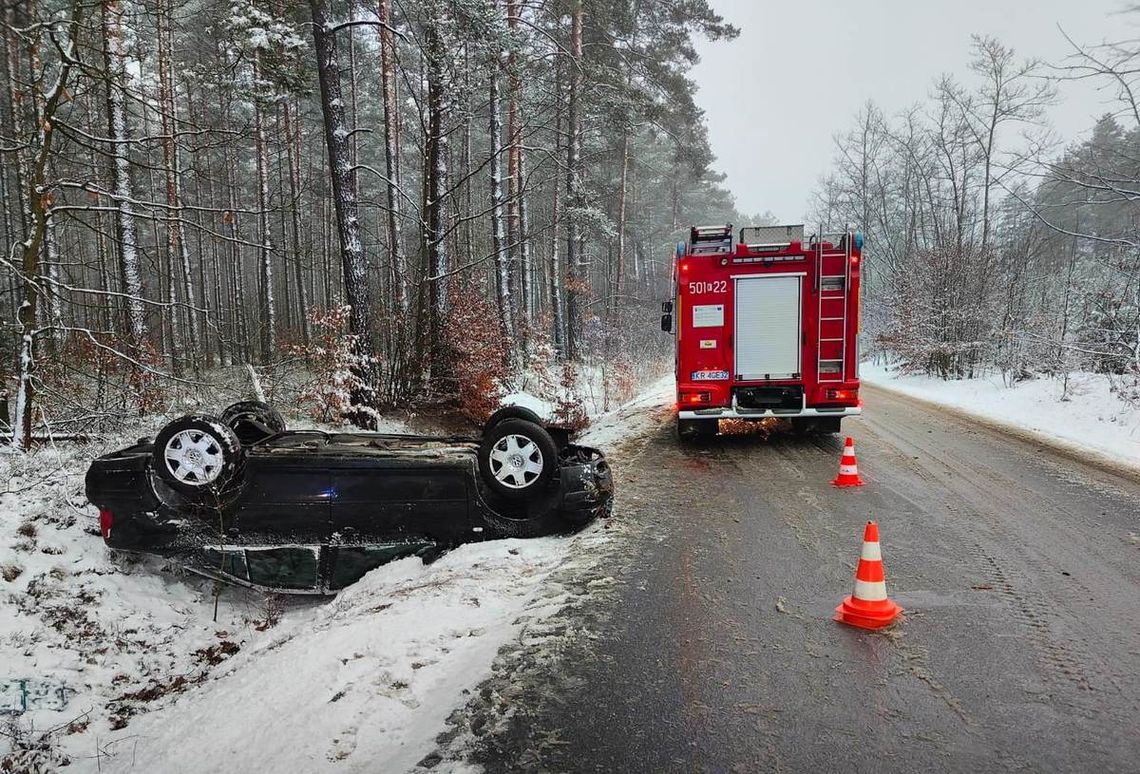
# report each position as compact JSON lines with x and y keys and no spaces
{"x":478,"y":354}
{"x":342,"y":387}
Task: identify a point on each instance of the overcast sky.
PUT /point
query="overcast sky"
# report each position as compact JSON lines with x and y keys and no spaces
{"x":801,"y":69}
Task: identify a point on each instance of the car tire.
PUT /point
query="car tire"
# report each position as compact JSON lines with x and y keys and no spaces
{"x":200,"y":457}
{"x":511,"y":412}
{"x":697,"y":429}
{"x":830,"y":425}
{"x":253,"y":420}
{"x":805,"y":426}
{"x":517,"y":459}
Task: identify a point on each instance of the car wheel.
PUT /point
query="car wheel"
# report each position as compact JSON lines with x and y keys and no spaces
{"x":511,"y":412}
{"x":199,"y":457}
{"x":517,"y":459}
{"x":697,"y":429}
{"x":253,"y":420}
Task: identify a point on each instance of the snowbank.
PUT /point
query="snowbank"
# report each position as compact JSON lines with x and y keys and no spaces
{"x":364,"y":683}
{"x":101,"y":626}
{"x":155,"y":682}
{"x":1092,"y":418}
{"x":643,"y":413}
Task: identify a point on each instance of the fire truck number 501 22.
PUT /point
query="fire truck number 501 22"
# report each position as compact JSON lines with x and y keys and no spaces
{"x":719,"y":286}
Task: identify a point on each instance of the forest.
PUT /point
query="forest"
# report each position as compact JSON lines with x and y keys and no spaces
{"x":997,"y":247}
{"x":420,"y":203}
{"x":427,"y":203}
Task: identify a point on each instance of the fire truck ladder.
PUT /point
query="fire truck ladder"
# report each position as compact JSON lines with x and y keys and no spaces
{"x":836,"y":287}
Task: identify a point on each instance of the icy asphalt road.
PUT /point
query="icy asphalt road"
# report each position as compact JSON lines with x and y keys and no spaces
{"x":714,"y":648}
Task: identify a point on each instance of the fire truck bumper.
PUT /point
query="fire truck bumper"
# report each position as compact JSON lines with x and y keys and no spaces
{"x":735,"y":412}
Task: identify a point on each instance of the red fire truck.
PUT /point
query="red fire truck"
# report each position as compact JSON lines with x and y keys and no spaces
{"x":766,"y":326}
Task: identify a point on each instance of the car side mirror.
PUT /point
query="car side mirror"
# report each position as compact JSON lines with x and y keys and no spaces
{"x":667,"y":323}
{"x":666,"y":307}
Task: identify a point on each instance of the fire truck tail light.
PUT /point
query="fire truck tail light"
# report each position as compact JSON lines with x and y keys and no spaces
{"x":691,"y":398}
{"x":844,"y":395}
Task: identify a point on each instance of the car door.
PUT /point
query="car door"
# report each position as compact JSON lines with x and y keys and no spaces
{"x":376,"y":499}
{"x":286,"y":498}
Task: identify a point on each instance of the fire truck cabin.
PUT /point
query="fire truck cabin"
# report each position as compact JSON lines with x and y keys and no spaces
{"x":767,"y":326}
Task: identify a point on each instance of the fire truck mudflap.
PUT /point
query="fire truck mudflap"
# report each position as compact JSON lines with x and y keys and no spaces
{"x":766,"y":326}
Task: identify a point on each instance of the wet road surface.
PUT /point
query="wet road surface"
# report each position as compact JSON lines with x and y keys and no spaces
{"x":714,"y":650}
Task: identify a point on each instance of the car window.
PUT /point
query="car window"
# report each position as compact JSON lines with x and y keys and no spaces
{"x":352,"y":563}
{"x":228,"y":561}
{"x":292,"y":567}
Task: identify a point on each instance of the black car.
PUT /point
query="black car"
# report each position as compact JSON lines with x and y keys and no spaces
{"x":244,"y":499}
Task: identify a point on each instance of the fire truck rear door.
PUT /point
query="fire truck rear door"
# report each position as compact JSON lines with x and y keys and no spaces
{"x":767,"y":335}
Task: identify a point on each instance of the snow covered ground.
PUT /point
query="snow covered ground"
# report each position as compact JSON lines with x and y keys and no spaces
{"x":630,"y":420}
{"x":1092,"y":419}
{"x":156,"y":681}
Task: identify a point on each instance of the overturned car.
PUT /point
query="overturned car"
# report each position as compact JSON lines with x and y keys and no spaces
{"x":243,"y":499}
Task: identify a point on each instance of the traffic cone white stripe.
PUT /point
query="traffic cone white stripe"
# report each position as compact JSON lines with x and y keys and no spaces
{"x":870,"y":591}
{"x":868,"y":607}
{"x":848,"y":467}
{"x":872,"y":552}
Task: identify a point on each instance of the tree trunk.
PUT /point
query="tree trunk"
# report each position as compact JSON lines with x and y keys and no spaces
{"x":52,"y":287}
{"x":516,"y":207}
{"x":619,"y":267}
{"x":557,"y":274}
{"x":293,"y":144}
{"x":39,"y":202}
{"x":354,"y":265}
{"x":573,"y":187}
{"x":265,"y":243}
{"x":502,"y":254}
{"x":119,"y":133}
{"x":435,"y":183}
{"x":175,"y":236}
{"x":392,"y":192}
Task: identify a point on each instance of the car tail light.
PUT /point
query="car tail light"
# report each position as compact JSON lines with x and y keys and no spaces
{"x":697,"y":397}
{"x":845,"y":395}
{"x":106,"y":519}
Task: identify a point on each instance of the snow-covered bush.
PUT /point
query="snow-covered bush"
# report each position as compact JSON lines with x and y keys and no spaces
{"x":30,"y":751}
{"x":342,"y":385}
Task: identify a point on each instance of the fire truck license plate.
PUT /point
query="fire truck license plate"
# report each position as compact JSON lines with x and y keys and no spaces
{"x":709,"y":376}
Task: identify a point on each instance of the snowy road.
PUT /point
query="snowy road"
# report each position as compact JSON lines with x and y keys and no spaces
{"x":1019,"y":568}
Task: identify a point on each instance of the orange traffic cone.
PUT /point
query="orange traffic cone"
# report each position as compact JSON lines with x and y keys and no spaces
{"x":868,"y":607}
{"x":848,"y":467}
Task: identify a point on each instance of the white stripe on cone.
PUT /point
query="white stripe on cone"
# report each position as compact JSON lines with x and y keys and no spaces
{"x":848,"y":470}
{"x":872,"y":552}
{"x":871,"y":591}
